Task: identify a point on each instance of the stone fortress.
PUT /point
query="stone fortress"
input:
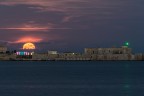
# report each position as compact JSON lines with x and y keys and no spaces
{"x":122,"y":53}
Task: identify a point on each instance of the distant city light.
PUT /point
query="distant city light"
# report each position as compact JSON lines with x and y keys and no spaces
{"x":24,"y":53}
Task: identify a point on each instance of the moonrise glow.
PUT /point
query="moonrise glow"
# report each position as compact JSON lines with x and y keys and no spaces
{"x":65,"y":25}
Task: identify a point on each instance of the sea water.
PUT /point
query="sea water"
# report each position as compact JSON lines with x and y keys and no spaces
{"x":71,"y":78}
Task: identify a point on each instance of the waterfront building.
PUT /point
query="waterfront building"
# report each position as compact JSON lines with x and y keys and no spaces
{"x":103,"y":51}
{"x":123,"y":53}
{"x":40,"y":56}
{"x":73,"y":56}
{"x":3,"y":49}
{"x":7,"y":57}
{"x":139,"y":56}
{"x":52,"y":52}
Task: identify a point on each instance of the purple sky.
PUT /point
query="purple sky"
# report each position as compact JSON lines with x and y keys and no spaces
{"x":72,"y":25}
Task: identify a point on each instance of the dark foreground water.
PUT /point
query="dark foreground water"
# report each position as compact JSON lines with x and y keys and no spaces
{"x":81,"y":78}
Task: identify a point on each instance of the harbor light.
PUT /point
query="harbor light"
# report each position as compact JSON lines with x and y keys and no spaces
{"x":126,"y":44}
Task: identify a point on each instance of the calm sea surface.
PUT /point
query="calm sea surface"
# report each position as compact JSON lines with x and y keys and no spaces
{"x":72,"y":78}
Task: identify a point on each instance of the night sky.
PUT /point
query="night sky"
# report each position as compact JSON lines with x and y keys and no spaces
{"x":72,"y":25}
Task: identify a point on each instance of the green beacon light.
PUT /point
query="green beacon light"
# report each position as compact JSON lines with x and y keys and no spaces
{"x":126,"y":44}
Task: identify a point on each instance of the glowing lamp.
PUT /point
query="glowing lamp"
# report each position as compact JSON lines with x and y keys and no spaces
{"x":16,"y":53}
{"x":126,"y":44}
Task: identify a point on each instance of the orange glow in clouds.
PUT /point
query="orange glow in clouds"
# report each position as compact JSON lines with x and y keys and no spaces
{"x":28,"y":39}
{"x":29,"y":27}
